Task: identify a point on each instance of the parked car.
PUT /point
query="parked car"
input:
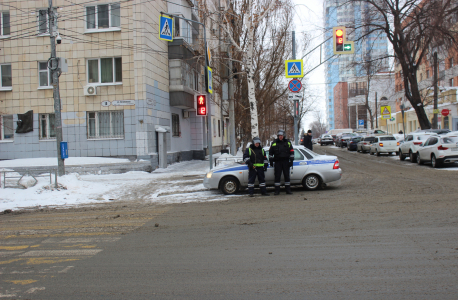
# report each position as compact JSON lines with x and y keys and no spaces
{"x":384,"y":144}
{"x":411,"y":144}
{"x":436,"y":131}
{"x":365,"y":144}
{"x":342,"y":139}
{"x":334,"y":138}
{"x":352,"y":144}
{"x":438,"y":150}
{"x":314,"y":141}
{"x":326,"y":139}
{"x":452,"y":133}
{"x":310,"y":169}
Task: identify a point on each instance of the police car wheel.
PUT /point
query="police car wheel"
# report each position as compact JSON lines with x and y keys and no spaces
{"x":311,"y":182}
{"x":229,"y":185}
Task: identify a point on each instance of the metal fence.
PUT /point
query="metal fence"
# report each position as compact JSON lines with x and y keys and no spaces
{"x":16,"y":176}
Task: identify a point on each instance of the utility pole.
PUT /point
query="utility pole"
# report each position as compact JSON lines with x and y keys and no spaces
{"x":376,"y":112}
{"x":220,"y":73}
{"x":296,"y":102}
{"x":55,"y":83}
{"x":434,"y":125}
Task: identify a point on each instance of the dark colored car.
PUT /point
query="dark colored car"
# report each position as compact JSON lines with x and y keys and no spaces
{"x":341,"y":140}
{"x":352,"y":144}
{"x":334,"y":138}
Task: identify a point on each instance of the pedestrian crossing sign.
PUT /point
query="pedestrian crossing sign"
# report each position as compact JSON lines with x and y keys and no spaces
{"x":294,"y":68}
{"x":166,"y":28}
{"x":385,"y":112}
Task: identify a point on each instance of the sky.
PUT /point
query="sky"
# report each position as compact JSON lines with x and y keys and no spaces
{"x":309,"y":20}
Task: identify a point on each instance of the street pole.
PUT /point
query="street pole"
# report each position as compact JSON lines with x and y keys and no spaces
{"x":434,"y":125}
{"x":296,"y":102}
{"x":220,"y":67}
{"x":376,"y":112}
{"x":55,"y":83}
{"x":230,"y":91}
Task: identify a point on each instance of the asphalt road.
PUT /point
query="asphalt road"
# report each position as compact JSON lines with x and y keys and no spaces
{"x":388,"y":232}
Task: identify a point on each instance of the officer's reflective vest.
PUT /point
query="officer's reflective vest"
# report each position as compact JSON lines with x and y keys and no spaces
{"x":263,"y":153}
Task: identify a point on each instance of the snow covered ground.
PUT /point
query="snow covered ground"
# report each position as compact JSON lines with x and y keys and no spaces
{"x":180,"y":182}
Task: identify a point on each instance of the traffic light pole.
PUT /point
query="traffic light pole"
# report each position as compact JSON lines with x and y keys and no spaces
{"x":209,"y":121}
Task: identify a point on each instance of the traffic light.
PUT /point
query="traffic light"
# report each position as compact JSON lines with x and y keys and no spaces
{"x":201,"y":105}
{"x":339,"y":40}
{"x":341,"y":45}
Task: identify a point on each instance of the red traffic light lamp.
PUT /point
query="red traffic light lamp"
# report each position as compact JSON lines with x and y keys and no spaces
{"x":201,"y":105}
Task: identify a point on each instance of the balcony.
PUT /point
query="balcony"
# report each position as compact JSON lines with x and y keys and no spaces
{"x":356,"y":92}
{"x":185,"y":82}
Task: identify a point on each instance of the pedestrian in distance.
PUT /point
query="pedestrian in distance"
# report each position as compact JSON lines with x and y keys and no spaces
{"x":256,"y":160}
{"x":307,"y":143}
{"x":281,"y":155}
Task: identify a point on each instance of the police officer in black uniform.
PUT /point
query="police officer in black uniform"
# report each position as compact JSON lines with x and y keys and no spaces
{"x":281,"y":153}
{"x":256,"y":159}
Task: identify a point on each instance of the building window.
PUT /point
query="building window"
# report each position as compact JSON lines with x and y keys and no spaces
{"x":42,"y":20}
{"x":104,"y":70}
{"x":105,"y":124}
{"x":47,"y":126}
{"x":427,"y":73}
{"x":219,"y":128}
{"x":4,"y":23}
{"x":105,"y":16}
{"x":5,"y":73}
{"x":450,"y":61}
{"x":451,"y":81}
{"x":214,"y":128}
{"x":175,"y":125}
{"x":6,"y":127}
{"x":44,"y":74}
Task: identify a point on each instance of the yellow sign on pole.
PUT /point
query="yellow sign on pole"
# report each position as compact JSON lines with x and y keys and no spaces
{"x":385,"y":111}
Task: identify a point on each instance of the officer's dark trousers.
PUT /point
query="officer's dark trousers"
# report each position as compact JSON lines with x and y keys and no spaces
{"x":259,"y":171}
{"x":281,"y":166}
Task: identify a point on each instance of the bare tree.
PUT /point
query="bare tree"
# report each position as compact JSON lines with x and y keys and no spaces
{"x":415,"y":29}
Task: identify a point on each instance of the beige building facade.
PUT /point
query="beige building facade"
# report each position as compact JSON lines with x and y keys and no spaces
{"x":116,"y":97}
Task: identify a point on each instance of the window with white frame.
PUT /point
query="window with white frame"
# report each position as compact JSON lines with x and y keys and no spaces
{"x":104,"y":16}
{"x":47,"y":126}
{"x":175,"y":125}
{"x":104,"y":70}
{"x":6,"y":127}
{"x":5,"y":23}
{"x":105,"y":124}
{"x":44,"y":74}
{"x":451,"y":81}
{"x":6,"y":78}
{"x":43,"y":19}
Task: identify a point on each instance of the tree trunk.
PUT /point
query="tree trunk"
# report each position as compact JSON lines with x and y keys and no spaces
{"x":251,"y":86}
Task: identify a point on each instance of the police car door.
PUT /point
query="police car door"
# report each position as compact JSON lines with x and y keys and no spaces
{"x":301,"y":164}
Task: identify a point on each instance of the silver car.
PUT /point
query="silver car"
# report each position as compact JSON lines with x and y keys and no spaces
{"x":310,"y":169}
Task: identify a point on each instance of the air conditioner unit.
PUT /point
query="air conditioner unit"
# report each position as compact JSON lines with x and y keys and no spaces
{"x":185,"y":114}
{"x":90,"y":90}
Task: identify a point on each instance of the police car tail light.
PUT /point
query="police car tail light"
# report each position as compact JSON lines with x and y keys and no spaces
{"x":442,"y":148}
{"x":336,"y":165}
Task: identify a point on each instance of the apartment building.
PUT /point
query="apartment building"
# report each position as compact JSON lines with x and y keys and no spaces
{"x":119,"y":95}
{"x":341,"y":68}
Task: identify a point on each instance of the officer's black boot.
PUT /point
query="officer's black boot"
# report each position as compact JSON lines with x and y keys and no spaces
{"x":288,"y":190}
{"x":251,"y":191}
{"x":264,"y":191}
{"x":277,"y":190}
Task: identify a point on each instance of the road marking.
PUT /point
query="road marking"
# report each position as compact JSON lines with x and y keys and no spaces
{"x":22,"y":282}
{"x":54,"y":253}
{"x":33,"y":290}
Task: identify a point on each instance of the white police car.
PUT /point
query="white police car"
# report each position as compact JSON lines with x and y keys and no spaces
{"x":310,"y":169}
